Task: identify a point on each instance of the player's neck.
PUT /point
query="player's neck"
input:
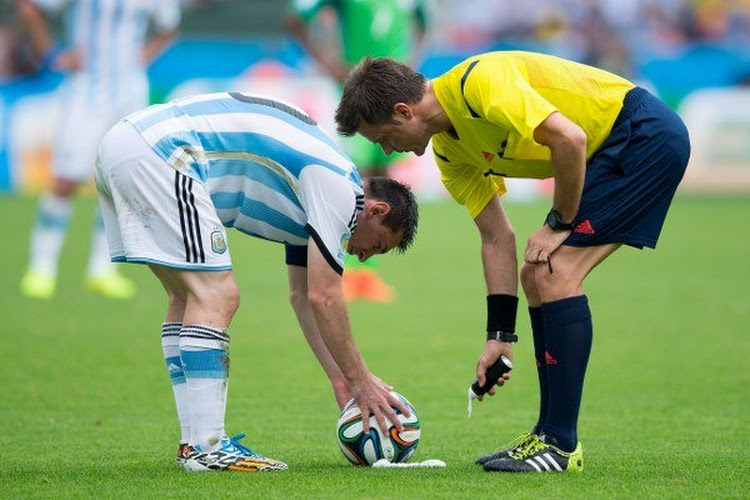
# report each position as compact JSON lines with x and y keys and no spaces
{"x":432,"y":112}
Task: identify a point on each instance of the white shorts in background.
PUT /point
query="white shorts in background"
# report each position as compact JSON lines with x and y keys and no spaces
{"x":152,"y":213}
{"x":85,"y":117}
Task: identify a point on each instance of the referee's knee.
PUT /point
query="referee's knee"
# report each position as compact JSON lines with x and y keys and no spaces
{"x":556,"y":282}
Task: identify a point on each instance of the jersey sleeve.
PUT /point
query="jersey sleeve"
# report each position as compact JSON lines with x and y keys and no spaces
{"x":330,"y":204}
{"x":166,"y":15}
{"x":502,"y":95}
{"x":306,"y":9}
{"x":468,"y":186}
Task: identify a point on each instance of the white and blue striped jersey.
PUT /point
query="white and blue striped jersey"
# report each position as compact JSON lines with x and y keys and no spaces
{"x":270,"y":170}
{"x":110,"y":35}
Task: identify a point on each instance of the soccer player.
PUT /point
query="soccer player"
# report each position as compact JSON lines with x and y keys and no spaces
{"x":377,"y":28}
{"x":173,"y":176}
{"x":616,"y":154}
{"x":105,"y":59}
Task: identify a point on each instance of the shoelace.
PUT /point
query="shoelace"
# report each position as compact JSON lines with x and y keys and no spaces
{"x":527,"y":449}
{"x":235,"y":442}
{"x":520,"y":441}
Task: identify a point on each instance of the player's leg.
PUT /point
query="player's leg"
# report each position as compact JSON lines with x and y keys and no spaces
{"x":170,"y":343}
{"x":195,"y":339}
{"x":47,"y":237}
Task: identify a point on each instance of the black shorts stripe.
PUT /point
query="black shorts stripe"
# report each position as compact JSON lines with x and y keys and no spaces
{"x":180,"y":210}
{"x":198,"y":240}
{"x":189,"y":218}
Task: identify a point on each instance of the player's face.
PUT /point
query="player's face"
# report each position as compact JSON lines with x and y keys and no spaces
{"x":400,"y":135}
{"x":370,"y":236}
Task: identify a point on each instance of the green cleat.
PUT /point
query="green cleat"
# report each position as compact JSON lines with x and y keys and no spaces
{"x":538,"y":456}
{"x":38,"y":285}
{"x":521,"y":441}
{"x":112,"y":286}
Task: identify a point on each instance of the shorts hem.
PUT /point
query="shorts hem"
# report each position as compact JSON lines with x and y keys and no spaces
{"x":186,"y":266}
{"x":638,"y":243}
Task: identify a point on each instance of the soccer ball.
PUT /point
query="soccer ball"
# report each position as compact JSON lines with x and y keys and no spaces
{"x":366,"y":449}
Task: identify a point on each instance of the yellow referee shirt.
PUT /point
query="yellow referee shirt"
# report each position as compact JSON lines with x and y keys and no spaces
{"x":496,"y":100}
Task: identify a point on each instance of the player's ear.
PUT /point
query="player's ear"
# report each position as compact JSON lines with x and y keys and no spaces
{"x":379,"y":208}
{"x":403,"y":111}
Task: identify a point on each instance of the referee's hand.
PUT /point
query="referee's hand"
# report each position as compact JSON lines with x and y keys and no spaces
{"x":493,"y":349}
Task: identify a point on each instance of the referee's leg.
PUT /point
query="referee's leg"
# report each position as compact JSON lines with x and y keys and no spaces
{"x":567,"y":330}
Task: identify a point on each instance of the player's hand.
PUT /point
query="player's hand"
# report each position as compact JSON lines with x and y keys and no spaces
{"x":337,"y":70}
{"x":67,"y":61}
{"x":542,"y":244}
{"x":374,"y":398}
{"x":341,"y":392}
{"x":493,"y":349}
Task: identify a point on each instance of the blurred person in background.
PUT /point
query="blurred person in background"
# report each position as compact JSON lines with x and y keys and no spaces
{"x":196,"y":166}
{"x":105,"y":53}
{"x":377,"y":28}
{"x":616,"y":154}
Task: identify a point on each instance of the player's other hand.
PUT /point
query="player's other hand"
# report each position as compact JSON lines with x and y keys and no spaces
{"x":374,"y":398}
{"x":68,"y":61}
{"x":493,"y":349}
{"x":542,"y":244}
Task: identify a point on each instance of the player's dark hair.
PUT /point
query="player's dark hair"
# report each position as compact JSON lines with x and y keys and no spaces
{"x":404,"y":213}
{"x":373,"y":87}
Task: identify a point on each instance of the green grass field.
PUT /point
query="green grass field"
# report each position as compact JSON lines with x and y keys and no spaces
{"x":86,"y":408}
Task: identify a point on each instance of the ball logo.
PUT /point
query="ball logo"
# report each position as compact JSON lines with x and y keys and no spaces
{"x":218,"y":243}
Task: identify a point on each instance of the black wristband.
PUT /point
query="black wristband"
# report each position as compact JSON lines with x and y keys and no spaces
{"x":501,"y":313}
{"x":501,"y":336}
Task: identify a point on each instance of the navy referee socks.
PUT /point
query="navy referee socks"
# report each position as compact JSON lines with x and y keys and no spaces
{"x":567,"y":342}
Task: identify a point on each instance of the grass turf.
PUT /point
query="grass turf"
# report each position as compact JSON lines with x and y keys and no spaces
{"x":86,"y":407}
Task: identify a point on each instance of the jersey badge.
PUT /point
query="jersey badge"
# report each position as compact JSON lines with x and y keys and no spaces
{"x":218,"y":243}
{"x":488,"y":156}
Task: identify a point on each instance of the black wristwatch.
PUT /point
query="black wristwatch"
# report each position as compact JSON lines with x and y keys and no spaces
{"x":555,"y":222}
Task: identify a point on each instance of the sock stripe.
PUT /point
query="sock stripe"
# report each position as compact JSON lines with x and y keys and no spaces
{"x":202,"y":332}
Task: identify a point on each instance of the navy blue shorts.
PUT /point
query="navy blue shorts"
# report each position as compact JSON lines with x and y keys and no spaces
{"x":631,"y":179}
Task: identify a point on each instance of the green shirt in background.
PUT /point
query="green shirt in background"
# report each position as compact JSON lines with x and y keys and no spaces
{"x":376,"y":28}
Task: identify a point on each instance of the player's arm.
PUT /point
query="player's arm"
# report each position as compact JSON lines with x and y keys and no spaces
{"x":166,"y":23}
{"x":324,"y":292}
{"x":33,"y":21}
{"x":419,"y":34}
{"x":298,"y":297}
{"x":481,"y":196}
{"x":501,"y":276}
{"x":567,"y":144}
{"x":35,"y":24}
{"x":298,"y":27}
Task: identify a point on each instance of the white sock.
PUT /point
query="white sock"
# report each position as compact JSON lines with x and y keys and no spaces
{"x":170,"y":344}
{"x":204,"y":353}
{"x":100,"y":263}
{"x":48,"y":234}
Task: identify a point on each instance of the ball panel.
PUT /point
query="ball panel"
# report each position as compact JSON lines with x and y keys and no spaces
{"x":366,"y":449}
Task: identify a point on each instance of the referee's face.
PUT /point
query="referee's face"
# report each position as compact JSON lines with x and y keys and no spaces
{"x":400,"y":135}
